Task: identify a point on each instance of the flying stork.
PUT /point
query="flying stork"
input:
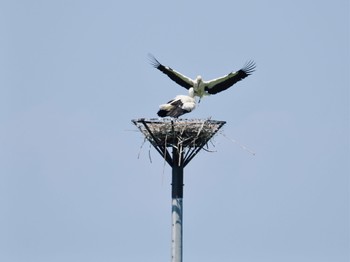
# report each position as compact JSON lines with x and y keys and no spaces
{"x":201,"y":87}
{"x":178,"y":106}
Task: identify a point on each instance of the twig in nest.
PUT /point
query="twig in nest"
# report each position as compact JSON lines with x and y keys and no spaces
{"x":164,"y":156}
{"x":144,"y":141}
{"x":236,"y":142}
{"x":200,"y":129}
{"x":149,"y":153}
{"x":210,"y":151}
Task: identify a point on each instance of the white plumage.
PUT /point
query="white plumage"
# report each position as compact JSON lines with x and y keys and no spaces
{"x":178,"y":106}
{"x":201,"y":87}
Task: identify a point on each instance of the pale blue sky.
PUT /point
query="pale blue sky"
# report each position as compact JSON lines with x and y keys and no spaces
{"x":73,"y":75}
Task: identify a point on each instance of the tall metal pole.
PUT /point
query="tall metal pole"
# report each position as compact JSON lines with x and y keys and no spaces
{"x":176,"y":212}
{"x":186,"y":138}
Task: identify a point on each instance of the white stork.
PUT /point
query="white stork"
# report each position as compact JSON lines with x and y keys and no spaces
{"x":178,"y":106}
{"x":201,"y":87}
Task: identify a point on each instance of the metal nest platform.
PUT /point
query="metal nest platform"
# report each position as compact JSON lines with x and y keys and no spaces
{"x":187,"y":136}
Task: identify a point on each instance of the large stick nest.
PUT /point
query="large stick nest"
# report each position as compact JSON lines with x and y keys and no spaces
{"x":174,"y":132}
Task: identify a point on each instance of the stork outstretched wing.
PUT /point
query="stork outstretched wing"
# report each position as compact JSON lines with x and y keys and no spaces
{"x":177,"y":77}
{"x":222,"y":83}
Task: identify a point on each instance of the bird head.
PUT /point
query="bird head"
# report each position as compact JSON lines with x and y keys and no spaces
{"x":199,"y":79}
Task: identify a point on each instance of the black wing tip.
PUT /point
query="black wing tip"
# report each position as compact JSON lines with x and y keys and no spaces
{"x":153,"y":61}
{"x":249,"y":67}
{"x":162,"y":113}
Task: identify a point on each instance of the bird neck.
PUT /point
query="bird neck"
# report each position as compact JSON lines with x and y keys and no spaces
{"x":191,"y":92}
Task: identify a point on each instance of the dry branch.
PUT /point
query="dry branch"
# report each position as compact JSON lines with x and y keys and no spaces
{"x":187,"y":136}
{"x":170,"y":133}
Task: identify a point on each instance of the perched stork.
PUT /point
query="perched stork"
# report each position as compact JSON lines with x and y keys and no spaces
{"x":178,"y":106}
{"x":201,"y":87}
